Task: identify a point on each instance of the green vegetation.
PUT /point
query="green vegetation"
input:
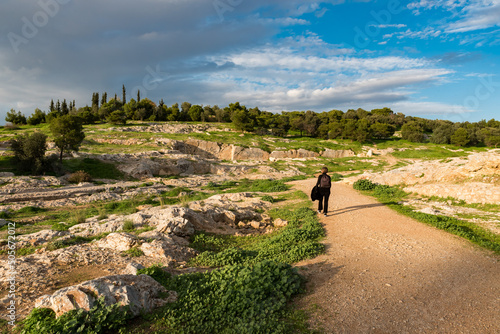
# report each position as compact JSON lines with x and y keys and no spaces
{"x":99,"y":319}
{"x":363,"y":184}
{"x":476,"y":234}
{"x":297,"y":241}
{"x":242,"y":299}
{"x":97,"y":169}
{"x":429,"y":153}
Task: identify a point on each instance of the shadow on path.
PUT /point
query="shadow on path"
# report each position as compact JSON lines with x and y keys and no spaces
{"x":354,"y":208}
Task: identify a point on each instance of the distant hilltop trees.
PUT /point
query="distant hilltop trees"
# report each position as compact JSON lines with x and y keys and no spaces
{"x":358,"y":125}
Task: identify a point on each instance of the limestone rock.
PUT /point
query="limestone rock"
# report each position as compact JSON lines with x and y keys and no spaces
{"x":280,"y":222}
{"x":118,"y":241}
{"x":173,"y":220}
{"x":293,"y":154}
{"x":333,"y":154}
{"x":41,"y":237}
{"x":3,"y":222}
{"x":132,"y":268}
{"x":140,"y":293}
{"x":167,"y":251}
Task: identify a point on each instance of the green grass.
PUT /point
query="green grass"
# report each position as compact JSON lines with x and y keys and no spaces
{"x":428,"y":153}
{"x":96,"y":168}
{"x":487,"y":207}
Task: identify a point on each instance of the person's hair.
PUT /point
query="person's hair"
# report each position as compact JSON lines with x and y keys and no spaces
{"x":324,"y":170}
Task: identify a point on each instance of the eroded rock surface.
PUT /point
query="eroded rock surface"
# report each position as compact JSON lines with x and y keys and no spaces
{"x":140,"y":293}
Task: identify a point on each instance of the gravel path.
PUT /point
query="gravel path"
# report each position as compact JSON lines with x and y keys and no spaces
{"x":387,"y":273}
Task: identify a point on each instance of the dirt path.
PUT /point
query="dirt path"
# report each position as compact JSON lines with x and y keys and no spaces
{"x":386,"y":273}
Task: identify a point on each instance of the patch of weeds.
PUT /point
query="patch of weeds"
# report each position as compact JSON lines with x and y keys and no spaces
{"x":78,"y":217}
{"x":26,"y":251}
{"x":336,"y":177}
{"x":128,"y":226}
{"x":268,"y":198}
{"x":133,"y":252}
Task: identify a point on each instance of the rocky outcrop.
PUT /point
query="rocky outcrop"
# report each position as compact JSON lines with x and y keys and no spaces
{"x":118,"y":241}
{"x":334,"y":154}
{"x":473,"y":179}
{"x":40,"y":237}
{"x":139,"y":293}
{"x":293,"y":154}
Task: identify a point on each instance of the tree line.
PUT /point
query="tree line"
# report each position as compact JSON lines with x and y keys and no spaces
{"x":357,"y":125}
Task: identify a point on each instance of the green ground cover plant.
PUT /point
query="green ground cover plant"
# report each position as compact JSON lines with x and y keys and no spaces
{"x":235,"y":299}
{"x":297,"y":241}
{"x":96,"y":168}
{"x":100,"y":319}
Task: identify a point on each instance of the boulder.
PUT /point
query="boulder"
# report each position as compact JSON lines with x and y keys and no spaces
{"x":167,"y":251}
{"x":118,"y":241}
{"x":280,"y":222}
{"x":140,"y":293}
{"x":132,"y":268}
{"x":174,"y":220}
{"x":3,"y":222}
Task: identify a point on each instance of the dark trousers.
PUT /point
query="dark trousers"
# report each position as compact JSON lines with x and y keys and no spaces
{"x":325,"y":196}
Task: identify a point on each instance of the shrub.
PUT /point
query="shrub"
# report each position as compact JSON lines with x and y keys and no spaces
{"x":363,"y":184}
{"x":79,"y":176}
{"x":29,"y":152}
{"x":336,"y":177}
{"x":268,"y":198}
{"x":134,"y":252}
{"x":128,"y":226}
{"x":236,"y":299}
{"x":99,"y":319}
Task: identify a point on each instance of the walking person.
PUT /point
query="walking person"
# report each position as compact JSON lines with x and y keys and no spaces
{"x":324,"y":185}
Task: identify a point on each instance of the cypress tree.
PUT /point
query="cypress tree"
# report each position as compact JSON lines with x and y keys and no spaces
{"x":51,"y":108}
{"x":124,"y":94}
{"x":138,"y":96}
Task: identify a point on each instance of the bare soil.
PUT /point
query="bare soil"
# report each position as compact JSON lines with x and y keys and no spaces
{"x":386,"y":273}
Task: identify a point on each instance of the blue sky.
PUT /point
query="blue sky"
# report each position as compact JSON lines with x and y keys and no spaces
{"x":434,"y":59}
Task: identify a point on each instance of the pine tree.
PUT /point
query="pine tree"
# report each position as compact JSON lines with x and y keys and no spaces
{"x":51,"y":108}
{"x":58,"y":106}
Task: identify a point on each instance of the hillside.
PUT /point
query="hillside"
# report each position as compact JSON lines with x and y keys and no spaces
{"x":189,"y":196}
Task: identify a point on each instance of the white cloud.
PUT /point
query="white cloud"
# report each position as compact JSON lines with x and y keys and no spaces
{"x":479,"y":16}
